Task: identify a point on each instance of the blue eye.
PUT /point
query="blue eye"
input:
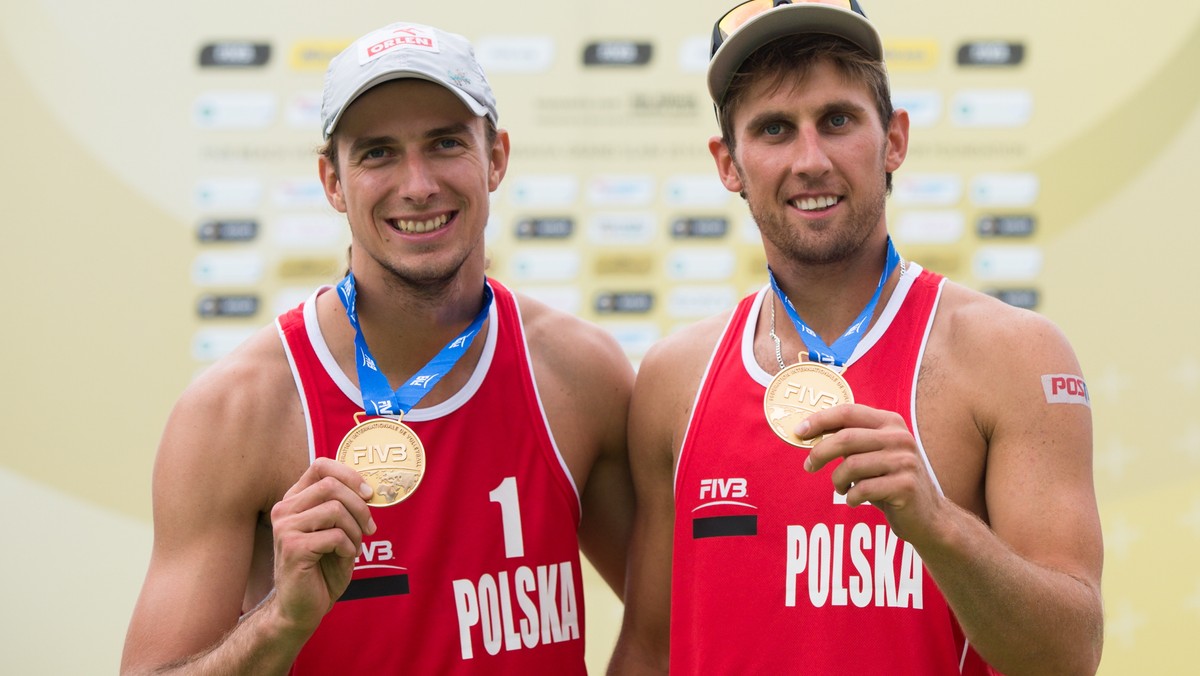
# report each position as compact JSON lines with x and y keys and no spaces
{"x":773,"y":129}
{"x":839,"y":120}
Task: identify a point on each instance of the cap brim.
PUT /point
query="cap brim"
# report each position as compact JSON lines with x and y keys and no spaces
{"x":471,"y":104}
{"x":794,"y":19}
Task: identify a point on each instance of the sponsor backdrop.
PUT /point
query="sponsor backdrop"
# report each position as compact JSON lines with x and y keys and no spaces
{"x":160,"y":202}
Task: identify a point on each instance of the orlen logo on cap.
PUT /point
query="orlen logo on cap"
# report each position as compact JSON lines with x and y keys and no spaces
{"x":1064,"y":388}
{"x":411,"y":37}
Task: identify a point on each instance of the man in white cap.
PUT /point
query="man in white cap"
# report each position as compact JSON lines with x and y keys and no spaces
{"x":398,"y":476}
{"x":863,"y":468}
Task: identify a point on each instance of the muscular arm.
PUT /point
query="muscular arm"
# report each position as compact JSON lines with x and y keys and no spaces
{"x":662,"y":399}
{"x":1019,"y":556}
{"x":607,"y":497}
{"x":585,"y":381}
{"x":216,"y":473}
{"x":1027,"y":589}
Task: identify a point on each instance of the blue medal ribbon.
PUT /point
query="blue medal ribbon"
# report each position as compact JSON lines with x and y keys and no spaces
{"x":842,"y":348}
{"x":377,"y":394}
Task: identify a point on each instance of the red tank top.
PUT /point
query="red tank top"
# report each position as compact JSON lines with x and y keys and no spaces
{"x":773,"y":573}
{"x":478,"y":571}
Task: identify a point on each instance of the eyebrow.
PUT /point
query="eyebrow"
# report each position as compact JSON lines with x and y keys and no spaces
{"x":361,"y":144}
{"x":835,"y":106}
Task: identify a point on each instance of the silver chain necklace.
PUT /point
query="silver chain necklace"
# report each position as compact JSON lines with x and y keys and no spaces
{"x":775,"y":338}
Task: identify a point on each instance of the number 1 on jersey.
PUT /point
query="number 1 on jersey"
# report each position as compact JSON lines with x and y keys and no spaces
{"x":510,"y":515}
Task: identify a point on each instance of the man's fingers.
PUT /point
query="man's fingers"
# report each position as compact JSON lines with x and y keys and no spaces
{"x":324,"y":482}
{"x":323,"y":468}
{"x":846,"y":429}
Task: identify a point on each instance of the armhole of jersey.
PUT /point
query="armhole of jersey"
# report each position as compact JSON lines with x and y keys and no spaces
{"x":537,"y":399}
{"x":912,"y":410}
{"x":308,"y":426}
{"x":701,"y":392}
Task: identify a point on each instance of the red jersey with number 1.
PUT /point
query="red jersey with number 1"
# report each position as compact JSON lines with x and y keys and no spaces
{"x":477,"y":572}
{"x":773,"y":573}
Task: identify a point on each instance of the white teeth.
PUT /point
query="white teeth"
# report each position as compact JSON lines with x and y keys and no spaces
{"x":421,"y":226}
{"x":811,"y":203}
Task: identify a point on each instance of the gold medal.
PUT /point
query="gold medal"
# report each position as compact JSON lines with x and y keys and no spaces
{"x":799,"y":391}
{"x":388,"y":455}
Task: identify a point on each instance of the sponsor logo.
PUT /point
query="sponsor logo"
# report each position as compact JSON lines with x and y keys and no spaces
{"x":234,"y":110}
{"x":624,"y":303}
{"x":991,"y":53}
{"x":722,"y":488}
{"x":617,"y":53}
{"x":546,"y":265}
{"x":234,"y":55}
{"x":1006,"y":226}
{"x":410,"y":37}
{"x":233,"y":230}
{"x":423,"y":381}
{"x":372,"y":552}
{"x":1022,"y":298}
{"x":545,"y":228}
{"x":1007,"y":263}
{"x":228,"y":306}
{"x":525,"y":54}
{"x":1064,"y":388}
{"x":911,"y":56}
{"x":710,"y":227}
{"x":701,"y":264}
{"x":1006,"y":108}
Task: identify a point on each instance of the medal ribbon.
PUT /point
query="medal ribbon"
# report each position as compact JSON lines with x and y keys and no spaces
{"x":377,"y":394}
{"x":842,"y":348}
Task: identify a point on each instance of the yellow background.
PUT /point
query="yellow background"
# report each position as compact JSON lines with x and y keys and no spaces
{"x":99,"y":221}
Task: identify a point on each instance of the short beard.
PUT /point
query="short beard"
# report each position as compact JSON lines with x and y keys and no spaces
{"x":420,"y":284}
{"x":792,"y":242}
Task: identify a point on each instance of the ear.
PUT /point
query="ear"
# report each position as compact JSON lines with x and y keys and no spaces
{"x":331,"y":183}
{"x":897,"y":138}
{"x":726,"y":167}
{"x":499,"y":160}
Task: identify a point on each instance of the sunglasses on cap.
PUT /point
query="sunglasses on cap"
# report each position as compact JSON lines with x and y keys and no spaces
{"x":739,"y":15}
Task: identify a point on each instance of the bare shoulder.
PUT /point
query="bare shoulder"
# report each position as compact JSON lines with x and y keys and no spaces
{"x":666,"y":386}
{"x":584,"y":382}
{"x":571,"y":347}
{"x":242,"y":413}
{"x":678,"y":360}
{"x":978,"y":331}
{"x":990,"y":361}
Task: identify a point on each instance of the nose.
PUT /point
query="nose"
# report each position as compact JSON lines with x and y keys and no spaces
{"x":810,"y":156}
{"x":416,"y":182}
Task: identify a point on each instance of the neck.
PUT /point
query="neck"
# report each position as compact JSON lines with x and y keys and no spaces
{"x":403,"y":330}
{"x":830,"y":298}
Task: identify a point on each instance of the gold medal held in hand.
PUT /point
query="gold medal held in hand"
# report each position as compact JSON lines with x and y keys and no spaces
{"x":388,"y":455}
{"x":799,"y":391}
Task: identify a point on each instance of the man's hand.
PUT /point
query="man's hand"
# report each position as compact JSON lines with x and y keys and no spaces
{"x":880,"y":464}
{"x":318,"y":529}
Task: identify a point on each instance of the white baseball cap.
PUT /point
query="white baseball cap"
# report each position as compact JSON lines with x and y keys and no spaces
{"x":399,"y":51}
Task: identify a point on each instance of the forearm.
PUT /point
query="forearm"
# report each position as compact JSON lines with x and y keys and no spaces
{"x":1023,"y":618}
{"x":260,"y":644}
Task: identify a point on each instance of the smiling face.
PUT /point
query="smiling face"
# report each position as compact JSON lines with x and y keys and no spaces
{"x":414,"y":169}
{"x":810,"y":154}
